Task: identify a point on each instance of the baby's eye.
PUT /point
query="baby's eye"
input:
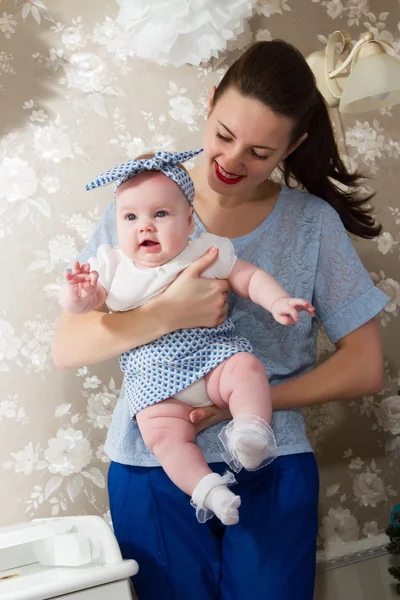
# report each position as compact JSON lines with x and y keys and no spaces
{"x":130,"y":217}
{"x":161,"y":213}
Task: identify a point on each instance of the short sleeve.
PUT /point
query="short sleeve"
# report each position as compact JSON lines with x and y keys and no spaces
{"x":345,"y":297}
{"x":222,"y":267}
{"x":105,"y":233}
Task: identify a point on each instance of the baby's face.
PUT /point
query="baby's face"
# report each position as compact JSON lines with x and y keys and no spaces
{"x":154,"y":219}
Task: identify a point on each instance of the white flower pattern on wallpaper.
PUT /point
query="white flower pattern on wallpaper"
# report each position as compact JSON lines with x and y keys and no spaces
{"x":10,"y":408}
{"x":369,"y":489}
{"x":26,"y":461}
{"x":82,"y":225}
{"x":392,"y":288}
{"x":69,"y":452}
{"x":319,"y":420}
{"x":51,"y":184}
{"x":36,"y":345}
{"x":338,"y":527}
{"x":18,"y":180}
{"x":60,"y":251}
{"x":7,"y":25}
{"x":70,"y":461}
{"x":386,"y":243}
{"x":370,"y":529}
{"x":10,"y":345}
{"x":86,"y":72}
{"x":52,"y":142}
{"x":388,"y":414}
{"x":263,"y":35}
{"x":182,"y":108}
{"x":94,"y":116}
{"x":73,"y":37}
{"x":267,"y":8}
{"x":369,"y":142}
{"x":6,"y":66}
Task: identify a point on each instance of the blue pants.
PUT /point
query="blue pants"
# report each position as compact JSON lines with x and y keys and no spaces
{"x":269,"y":555}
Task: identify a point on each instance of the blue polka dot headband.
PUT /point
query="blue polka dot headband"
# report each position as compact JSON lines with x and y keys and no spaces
{"x":165,"y":162}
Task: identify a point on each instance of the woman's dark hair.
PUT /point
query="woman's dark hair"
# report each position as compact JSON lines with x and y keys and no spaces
{"x":276,"y":74}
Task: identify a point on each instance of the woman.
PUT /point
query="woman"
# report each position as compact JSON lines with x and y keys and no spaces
{"x":265,"y":111}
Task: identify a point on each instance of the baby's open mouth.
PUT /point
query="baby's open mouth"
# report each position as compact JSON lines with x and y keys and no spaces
{"x":149,"y":243}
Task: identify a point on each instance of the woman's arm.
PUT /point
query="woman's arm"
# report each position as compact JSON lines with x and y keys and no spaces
{"x":190,"y":301}
{"x":354,"y":370}
{"x":96,"y":336}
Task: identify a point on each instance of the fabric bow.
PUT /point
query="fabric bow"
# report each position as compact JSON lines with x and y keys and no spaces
{"x":165,"y":162}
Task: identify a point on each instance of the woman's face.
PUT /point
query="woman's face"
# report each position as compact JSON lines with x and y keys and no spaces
{"x":244,"y":142}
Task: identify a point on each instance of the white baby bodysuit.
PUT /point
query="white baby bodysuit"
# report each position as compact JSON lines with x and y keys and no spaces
{"x":128,"y":286}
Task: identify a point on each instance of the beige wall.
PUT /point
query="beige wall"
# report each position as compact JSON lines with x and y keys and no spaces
{"x":71,"y":105}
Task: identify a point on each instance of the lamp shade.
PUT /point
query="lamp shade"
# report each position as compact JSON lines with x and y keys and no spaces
{"x":374,"y":83}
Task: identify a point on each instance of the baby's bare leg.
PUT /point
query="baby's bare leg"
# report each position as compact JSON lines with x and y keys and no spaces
{"x":242,"y":384}
{"x":169,"y":434}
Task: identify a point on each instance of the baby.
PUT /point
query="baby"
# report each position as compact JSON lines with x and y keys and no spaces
{"x":165,"y":379}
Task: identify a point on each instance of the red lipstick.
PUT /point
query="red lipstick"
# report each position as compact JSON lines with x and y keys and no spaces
{"x":221,"y":176}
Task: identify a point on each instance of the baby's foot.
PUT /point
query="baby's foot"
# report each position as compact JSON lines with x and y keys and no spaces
{"x":224,"y":504}
{"x":212,"y":496}
{"x":251,"y":442}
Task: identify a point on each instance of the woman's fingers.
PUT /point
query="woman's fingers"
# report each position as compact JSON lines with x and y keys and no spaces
{"x":207,"y":416}
{"x":201,"y":264}
{"x":195,"y":301}
{"x":224,"y":307}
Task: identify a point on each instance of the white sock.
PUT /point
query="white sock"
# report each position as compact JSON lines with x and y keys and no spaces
{"x":224,"y":504}
{"x":251,"y":441}
{"x":212,"y":494}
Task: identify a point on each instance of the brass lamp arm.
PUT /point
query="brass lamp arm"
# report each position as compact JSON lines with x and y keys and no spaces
{"x":345,"y":40}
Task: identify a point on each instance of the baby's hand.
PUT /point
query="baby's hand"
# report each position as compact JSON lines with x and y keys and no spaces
{"x":286,"y":310}
{"x":82,"y":280}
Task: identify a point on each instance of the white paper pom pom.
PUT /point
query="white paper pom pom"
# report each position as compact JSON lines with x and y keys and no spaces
{"x":175,"y":32}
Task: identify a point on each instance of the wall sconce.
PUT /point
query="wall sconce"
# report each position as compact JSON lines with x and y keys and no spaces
{"x":368,"y":79}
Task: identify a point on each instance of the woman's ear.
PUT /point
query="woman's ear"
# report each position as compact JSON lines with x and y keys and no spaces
{"x":211,"y":98}
{"x":296,"y":144}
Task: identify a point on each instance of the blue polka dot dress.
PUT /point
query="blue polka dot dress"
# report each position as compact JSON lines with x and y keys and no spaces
{"x":159,"y":370}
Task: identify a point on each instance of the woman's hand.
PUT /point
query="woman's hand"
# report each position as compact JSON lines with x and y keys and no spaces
{"x":193,"y":301}
{"x":207,"y":416}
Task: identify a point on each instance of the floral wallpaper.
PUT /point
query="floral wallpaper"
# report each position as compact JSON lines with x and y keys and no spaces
{"x":73,"y":101}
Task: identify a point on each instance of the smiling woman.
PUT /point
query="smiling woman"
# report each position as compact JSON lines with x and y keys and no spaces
{"x":241,"y":150}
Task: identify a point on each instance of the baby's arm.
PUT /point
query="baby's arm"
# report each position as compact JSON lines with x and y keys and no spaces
{"x":81,"y":292}
{"x":250,"y":281}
